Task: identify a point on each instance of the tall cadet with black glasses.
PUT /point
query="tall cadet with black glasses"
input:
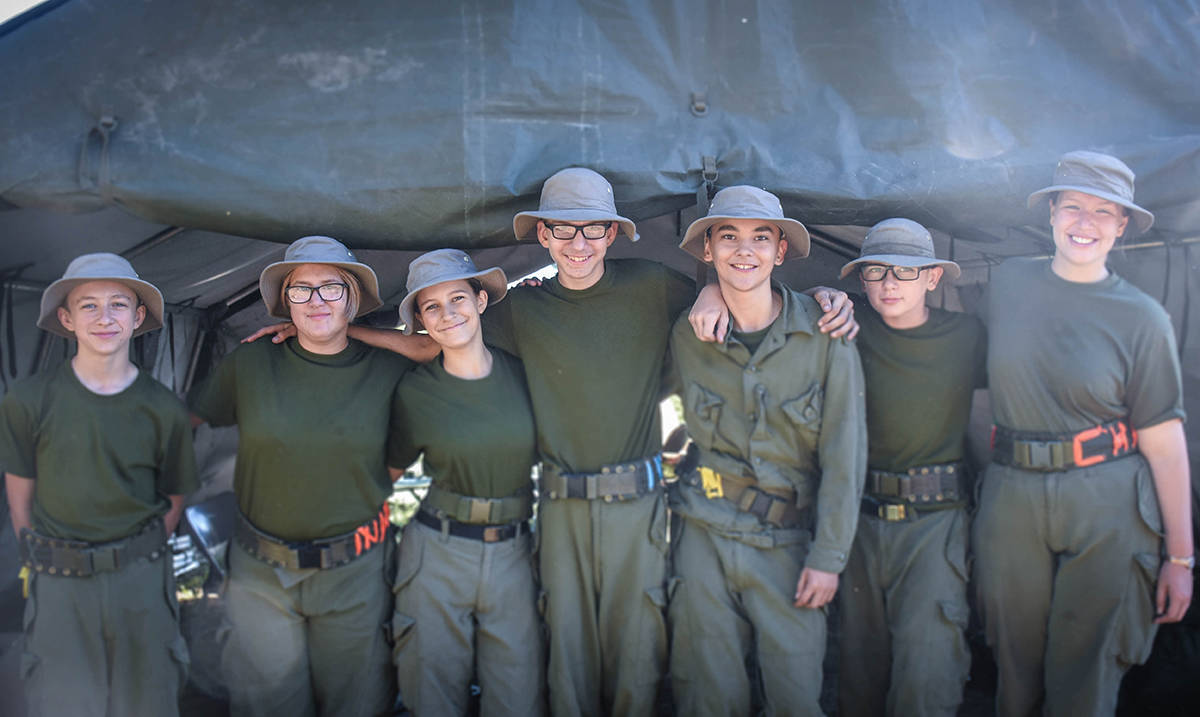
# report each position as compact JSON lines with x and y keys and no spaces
{"x":310,"y":568}
{"x":98,"y":458}
{"x":466,"y":602}
{"x":1083,"y":538}
{"x":904,"y":593}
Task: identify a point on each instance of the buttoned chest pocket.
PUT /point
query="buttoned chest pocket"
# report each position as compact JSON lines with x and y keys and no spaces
{"x":703,"y":412}
{"x":804,"y":411}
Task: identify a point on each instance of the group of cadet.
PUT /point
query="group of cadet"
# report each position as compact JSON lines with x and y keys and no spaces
{"x":719,"y":580}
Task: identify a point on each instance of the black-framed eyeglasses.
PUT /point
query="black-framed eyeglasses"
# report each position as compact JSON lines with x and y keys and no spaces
{"x":877,"y":272}
{"x":328,"y":292}
{"x":567,"y":232}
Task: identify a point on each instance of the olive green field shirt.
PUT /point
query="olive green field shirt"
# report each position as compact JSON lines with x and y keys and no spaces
{"x":594,"y":359}
{"x":103,"y":465}
{"x":790,"y":415}
{"x":476,"y":434}
{"x":312,"y":433}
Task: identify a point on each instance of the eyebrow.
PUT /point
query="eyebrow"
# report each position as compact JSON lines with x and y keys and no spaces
{"x":730,"y":227}
{"x":89,"y":297}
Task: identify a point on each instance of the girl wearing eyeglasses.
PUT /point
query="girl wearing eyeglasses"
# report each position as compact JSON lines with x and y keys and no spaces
{"x":465,"y":593}
{"x":309,"y":591}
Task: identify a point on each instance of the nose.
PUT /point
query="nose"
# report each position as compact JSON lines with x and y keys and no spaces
{"x":889,"y":278}
{"x":579,"y":242}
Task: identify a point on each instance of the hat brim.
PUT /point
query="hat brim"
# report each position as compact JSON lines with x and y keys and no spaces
{"x":55,"y":296}
{"x":951,"y":269}
{"x":270,"y":285}
{"x":495,"y":283}
{"x":793,"y":231}
{"x":525,"y":223}
{"x":1142,"y":219}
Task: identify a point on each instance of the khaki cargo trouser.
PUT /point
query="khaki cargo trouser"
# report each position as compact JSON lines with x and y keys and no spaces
{"x":465,"y":607}
{"x":1066,"y":565}
{"x":316,"y":646}
{"x":903,"y":617}
{"x":603,"y":571}
{"x":733,"y":608}
{"x":108,"y":644}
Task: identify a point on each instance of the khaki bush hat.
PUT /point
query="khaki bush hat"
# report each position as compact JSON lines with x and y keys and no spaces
{"x":102,"y":266}
{"x":1101,"y":175}
{"x":746,"y":202}
{"x":317,"y":250}
{"x":900,"y":242}
{"x":440,"y":266}
{"x":574,"y":194}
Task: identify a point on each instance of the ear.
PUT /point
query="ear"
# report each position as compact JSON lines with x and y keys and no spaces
{"x":781,"y":251}
{"x":543,"y":234}
{"x":935,"y":275}
{"x":139,"y":316}
{"x":64,"y":318}
{"x":611,"y":235}
{"x":708,"y":255}
{"x":481,"y":300}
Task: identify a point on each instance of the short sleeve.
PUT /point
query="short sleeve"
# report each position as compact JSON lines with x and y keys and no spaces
{"x":401,"y":452}
{"x":215,"y":399}
{"x":497,"y":320}
{"x":18,"y":442}
{"x":1154,"y":390}
{"x":177,"y":470}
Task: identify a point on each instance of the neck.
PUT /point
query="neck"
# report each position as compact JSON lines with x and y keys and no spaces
{"x":1087,"y":274}
{"x":753,"y":310}
{"x":472,"y":361}
{"x":909,"y":321}
{"x":104,"y":375}
{"x":326,"y":347}
{"x":568,"y":282}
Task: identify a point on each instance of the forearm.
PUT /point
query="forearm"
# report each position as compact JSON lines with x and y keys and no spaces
{"x":171,"y":519}
{"x":416,"y":347}
{"x":1165,"y":449}
{"x":20,"y":501}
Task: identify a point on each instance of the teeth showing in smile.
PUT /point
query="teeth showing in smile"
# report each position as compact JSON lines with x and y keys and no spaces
{"x":578,"y":259}
{"x":1075,"y":239}
{"x":744,"y":267}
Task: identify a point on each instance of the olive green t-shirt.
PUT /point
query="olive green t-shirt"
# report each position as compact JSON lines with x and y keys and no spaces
{"x":103,"y":465}
{"x":594,"y":359}
{"x":313,"y":432}
{"x":477,"y":434}
{"x":919,"y":386}
{"x":1065,"y":356}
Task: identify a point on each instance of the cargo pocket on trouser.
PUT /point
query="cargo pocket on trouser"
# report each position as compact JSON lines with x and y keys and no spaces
{"x":1135,"y":626}
{"x":408,"y":565}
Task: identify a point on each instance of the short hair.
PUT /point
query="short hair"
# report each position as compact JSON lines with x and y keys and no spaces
{"x":353,"y":290}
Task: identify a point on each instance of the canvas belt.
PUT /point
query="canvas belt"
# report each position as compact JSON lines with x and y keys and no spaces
{"x":469,"y":509}
{"x":474,"y":531}
{"x":776,"y":506}
{"x":1062,"y":451}
{"x":616,"y":481}
{"x":325,"y":553}
{"x":74,"y":558}
{"x":919,"y":484}
{"x":897,"y":512}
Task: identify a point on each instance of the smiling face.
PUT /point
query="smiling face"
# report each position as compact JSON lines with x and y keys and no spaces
{"x":1085,"y":227}
{"x":450,"y":311}
{"x":901,"y":304}
{"x":580,"y":260}
{"x":744,"y":252}
{"x":103,"y":316}
{"x":320,"y":324}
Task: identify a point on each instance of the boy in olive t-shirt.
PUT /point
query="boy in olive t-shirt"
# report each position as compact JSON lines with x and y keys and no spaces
{"x":98,"y":458}
{"x":904,"y":593}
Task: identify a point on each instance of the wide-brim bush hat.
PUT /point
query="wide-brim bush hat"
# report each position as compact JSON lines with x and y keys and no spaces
{"x":102,"y":266}
{"x":900,"y":242}
{"x":440,"y":266}
{"x":574,"y":194}
{"x":746,"y":202}
{"x":1101,"y":175}
{"x":317,"y":250}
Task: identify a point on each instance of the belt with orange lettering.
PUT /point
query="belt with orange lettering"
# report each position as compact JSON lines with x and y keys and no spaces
{"x":1062,"y":451}
{"x":325,"y":553}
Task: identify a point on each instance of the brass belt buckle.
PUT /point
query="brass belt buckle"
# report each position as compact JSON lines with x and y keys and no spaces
{"x":711,"y":480}
{"x":892,"y":511}
{"x":491,"y":535}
